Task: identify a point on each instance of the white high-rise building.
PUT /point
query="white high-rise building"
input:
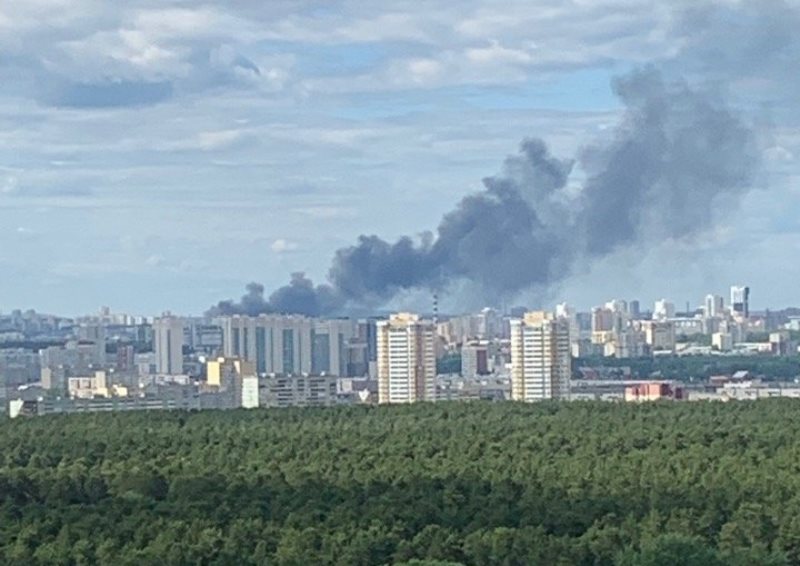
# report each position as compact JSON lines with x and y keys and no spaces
{"x":740,"y":301}
{"x":489,"y":323}
{"x":563,"y":310}
{"x":714,"y":306}
{"x":663,"y":310}
{"x":406,"y":359}
{"x":722,"y":341}
{"x":617,"y":305}
{"x":540,"y":357}
{"x":168,"y":345}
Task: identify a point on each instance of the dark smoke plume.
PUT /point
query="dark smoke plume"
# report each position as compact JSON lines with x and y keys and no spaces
{"x":298,"y":297}
{"x":677,"y":156}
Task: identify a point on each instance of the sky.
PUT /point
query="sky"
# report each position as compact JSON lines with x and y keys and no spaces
{"x":160,"y":155}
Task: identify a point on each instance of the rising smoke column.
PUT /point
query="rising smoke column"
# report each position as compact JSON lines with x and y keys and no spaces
{"x":676,"y":156}
{"x":300,"y":296}
{"x":498,"y":238}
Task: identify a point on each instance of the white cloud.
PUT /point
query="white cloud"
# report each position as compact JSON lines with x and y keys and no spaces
{"x":127,"y":54}
{"x":282,"y":246}
{"x":10,"y":185}
{"x":155,"y":260}
{"x":780,"y":153}
{"x":21,"y":17}
{"x":219,"y":139}
{"x":212,"y":140}
{"x":325,"y":212}
{"x":424,"y":70}
{"x":189,"y":23}
{"x":391,"y":26}
{"x":497,"y":54}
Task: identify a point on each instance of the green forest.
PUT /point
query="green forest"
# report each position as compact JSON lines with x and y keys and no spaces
{"x":449,"y":483}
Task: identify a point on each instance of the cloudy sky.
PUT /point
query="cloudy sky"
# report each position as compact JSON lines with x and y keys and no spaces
{"x":159,"y":155}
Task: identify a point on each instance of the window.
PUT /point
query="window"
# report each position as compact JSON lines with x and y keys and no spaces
{"x":288,"y":351}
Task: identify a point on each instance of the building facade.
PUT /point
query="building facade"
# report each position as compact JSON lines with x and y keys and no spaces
{"x":541,"y":364}
{"x":659,"y":335}
{"x":168,"y":345}
{"x":298,"y":391}
{"x":740,"y":301}
{"x":331,"y":345}
{"x":714,"y":306}
{"x":406,"y":359}
{"x":475,"y":359}
{"x":276,"y":344}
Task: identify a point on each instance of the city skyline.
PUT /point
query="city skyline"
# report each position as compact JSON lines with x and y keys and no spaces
{"x":709,"y":300}
{"x":114,"y":361}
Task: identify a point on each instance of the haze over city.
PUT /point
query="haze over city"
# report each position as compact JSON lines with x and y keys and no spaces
{"x":162,"y":156}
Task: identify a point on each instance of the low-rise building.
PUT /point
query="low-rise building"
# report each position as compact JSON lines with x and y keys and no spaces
{"x":653,"y":391}
{"x":90,"y":387}
{"x":722,"y":341}
{"x":298,"y":391}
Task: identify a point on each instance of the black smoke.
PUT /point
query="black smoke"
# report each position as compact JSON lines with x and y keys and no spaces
{"x":252,"y":303}
{"x":300,"y":296}
{"x":678,"y":157}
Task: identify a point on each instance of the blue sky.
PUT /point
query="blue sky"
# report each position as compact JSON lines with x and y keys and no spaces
{"x":160,"y":155}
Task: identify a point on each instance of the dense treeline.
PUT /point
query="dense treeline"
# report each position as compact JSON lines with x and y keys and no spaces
{"x":688,"y":368}
{"x":469,"y":483}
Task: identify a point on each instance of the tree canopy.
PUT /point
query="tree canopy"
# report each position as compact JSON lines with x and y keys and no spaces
{"x":700,"y":367}
{"x":429,"y":484}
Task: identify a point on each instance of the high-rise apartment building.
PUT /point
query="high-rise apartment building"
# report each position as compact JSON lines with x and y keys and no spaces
{"x":77,"y":358}
{"x":563,"y":310}
{"x":276,"y":344}
{"x":125,"y":358}
{"x":664,"y":309}
{"x":602,"y":319}
{"x":617,"y":305}
{"x":475,"y":360}
{"x":540,"y":357}
{"x":330,"y":346}
{"x":96,"y":334}
{"x":406,"y":359}
{"x":714,"y":306}
{"x":368,"y":336}
{"x":489,"y":323}
{"x":659,"y":335}
{"x":740,"y":300}
{"x":168,"y":345}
